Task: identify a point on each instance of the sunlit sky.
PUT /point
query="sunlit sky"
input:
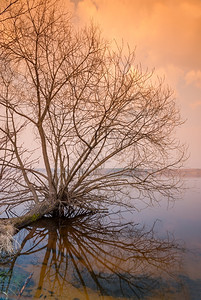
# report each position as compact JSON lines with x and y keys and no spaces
{"x":167,"y":37}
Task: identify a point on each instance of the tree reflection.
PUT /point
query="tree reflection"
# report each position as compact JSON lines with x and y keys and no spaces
{"x":94,"y":254}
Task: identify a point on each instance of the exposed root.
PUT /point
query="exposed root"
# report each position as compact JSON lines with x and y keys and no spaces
{"x":7,"y":242}
{"x":57,"y":208}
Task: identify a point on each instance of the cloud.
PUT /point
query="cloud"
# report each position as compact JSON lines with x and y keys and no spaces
{"x":196,"y":104}
{"x":165,"y":31}
{"x":166,"y":35}
{"x":193,"y":77}
{"x":171,"y":74}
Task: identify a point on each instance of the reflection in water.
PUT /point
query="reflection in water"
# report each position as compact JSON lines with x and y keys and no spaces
{"x":87,"y":258}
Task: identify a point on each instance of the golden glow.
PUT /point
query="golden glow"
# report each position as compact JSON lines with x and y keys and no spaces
{"x":166,"y":35}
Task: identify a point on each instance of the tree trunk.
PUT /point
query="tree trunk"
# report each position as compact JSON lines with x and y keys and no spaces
{"x":37,"y":212}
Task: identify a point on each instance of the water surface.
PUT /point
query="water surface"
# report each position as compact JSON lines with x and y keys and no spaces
{"x":151,"y":254}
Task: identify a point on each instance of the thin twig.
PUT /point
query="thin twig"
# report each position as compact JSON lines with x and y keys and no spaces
{"x":25,"y":284}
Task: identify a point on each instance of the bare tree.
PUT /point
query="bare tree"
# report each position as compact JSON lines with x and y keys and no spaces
{"x":6,"y":6}
{"x":101,"y":126}
{"x":10,"y":9}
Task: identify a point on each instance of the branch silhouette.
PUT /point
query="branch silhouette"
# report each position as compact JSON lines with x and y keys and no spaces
{"x":95,"y":254}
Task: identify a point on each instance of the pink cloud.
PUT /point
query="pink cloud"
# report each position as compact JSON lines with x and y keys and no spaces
{"x":193,"y":77}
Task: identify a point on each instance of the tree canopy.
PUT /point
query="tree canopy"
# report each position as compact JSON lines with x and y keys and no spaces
{"x":100,"y":126}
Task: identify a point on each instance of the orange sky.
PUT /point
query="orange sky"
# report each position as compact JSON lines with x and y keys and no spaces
{"x":167,"y":37}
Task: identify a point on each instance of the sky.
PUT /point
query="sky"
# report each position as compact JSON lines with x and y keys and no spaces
{"x":167,"y":38}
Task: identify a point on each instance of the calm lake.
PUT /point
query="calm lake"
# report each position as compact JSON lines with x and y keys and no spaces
{"x":154,"y":253}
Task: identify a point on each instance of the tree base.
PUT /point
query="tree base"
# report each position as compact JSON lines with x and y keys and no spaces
{"x":8,"y":227}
